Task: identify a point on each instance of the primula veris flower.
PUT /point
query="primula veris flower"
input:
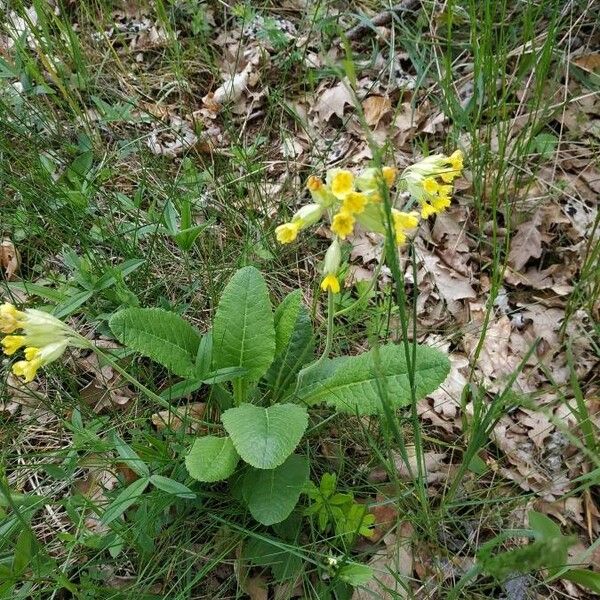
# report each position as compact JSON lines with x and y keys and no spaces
{"x":370,"y":179}
{"x":354,"y":203}
{"x":403,"y":222}
{"x":341,"y":182}
{"x":389,"y":175}
{"x":12,"y":343}
{"x":10,"y":318}
{"x":330,"y":283}
{"x":287,"y":232}
{"x":44,"y":337}
{"x":343,"y":224}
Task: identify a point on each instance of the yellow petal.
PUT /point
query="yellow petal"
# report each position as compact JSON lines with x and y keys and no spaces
{"x":287,"y":232}
{"x":11,"y":343}
{"x":26,"y":369}
{"x":342,"y":183}
{"x":354,"y":203}
{"x":331,"y":283}
{"x":10,"y":318}
{"x":342,"y":224}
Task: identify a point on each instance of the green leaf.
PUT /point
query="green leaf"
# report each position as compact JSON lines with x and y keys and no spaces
{"x":69,"y":306}
{"x":130,"y":457}
{"x":265,"y":437}
{"x":211,"y":459}
{"x":355,"y":574}
{"x":166,"y":484}
{"x":160,"y":335}
{"x":350,"y":384}
{"x":243,"y":329}
{"x":188,"y":386}
{"x":284,"y":565}
{"x":585,"y":578}
{"x":294,"y":342}
{"x":124,"y":500}
{"x":272,"y":494}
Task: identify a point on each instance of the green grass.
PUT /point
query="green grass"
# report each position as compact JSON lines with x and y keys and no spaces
{"x":88,"y":206}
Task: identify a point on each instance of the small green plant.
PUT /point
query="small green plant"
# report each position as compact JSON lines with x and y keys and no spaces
{"x":335,"y":509}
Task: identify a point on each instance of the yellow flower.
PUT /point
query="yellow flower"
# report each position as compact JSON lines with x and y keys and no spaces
{"x":11,"y":343}
{"x":10,"y":318}
{"x":330,"y":283}
{"x":342,"y":224}
{"x":389,"y":174}
{"x":342,"y":182}
{"x":430,"y":185}
{"x":287,"y":232}
{"x":402,"y":223}
{"x":354,"y":203}
{"x":314,"y":184}
{"x":440,"y":203}
{"x":26,"y":369}
{"x":456,"y":160}
{"x":427,"y":210}
{"x":38,"y":357}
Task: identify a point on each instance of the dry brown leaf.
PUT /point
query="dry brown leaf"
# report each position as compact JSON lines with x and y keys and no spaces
{"x":386,"y":516}
{"x":450,"y":284}
{"x":375,"y":108}
{"x":588,"y":62}
{"x":9,"y":259}
{"x":174,"y":419}
{"x":333,"y":101}
{"x":390,"y":566}
{"x":436,"y":469}
{"x":526,"y":243}
{"x":446,"y":399}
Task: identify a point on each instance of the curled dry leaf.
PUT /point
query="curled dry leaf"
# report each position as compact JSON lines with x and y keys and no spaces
{"x":189,"y":415}
{"x":588,"y":62}
{"x":172,"y":141}
{"x":10,"y":259}
{"x":229,"y":91}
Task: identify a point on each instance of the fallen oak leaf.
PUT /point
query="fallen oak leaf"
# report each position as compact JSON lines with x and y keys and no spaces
{"x":333,"y":101}
{"x":375,"y":108}
{"x":526,"y":243}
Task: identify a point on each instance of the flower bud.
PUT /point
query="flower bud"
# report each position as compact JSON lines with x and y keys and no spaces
{"x":333,"y":258}
{"x":308,"y":215}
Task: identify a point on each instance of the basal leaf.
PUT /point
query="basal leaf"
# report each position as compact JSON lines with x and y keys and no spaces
{"x":265,"y":437}
{"x":272,"y":494}
{"x":350,"y":384}
{"x":294,"y":343}
{"x":211,"y":459}
{"x":243,"y":329}
{"x":163,"y":336}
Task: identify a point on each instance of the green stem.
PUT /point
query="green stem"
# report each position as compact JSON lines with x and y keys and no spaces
{"x":329,"y":339}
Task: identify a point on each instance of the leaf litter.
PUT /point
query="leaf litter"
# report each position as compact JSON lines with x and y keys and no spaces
{"x":546,"y":233}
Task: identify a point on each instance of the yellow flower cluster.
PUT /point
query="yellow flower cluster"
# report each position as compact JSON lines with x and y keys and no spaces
{"x":44,"y":338}
{"x":430,"y":180}
{"x":348,"y":200}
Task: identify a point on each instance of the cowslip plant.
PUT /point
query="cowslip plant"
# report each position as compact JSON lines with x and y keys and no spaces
{"x":261,"y":361}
